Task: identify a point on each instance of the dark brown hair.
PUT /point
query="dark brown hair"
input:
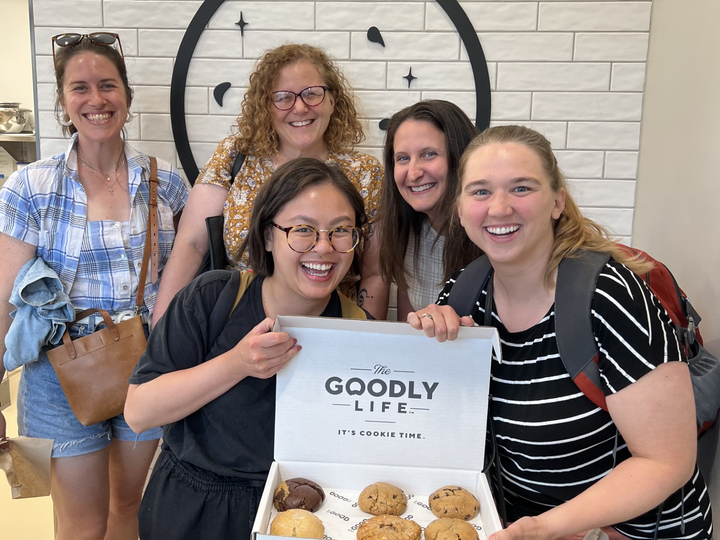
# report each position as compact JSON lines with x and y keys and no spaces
{"x":63,"y":55}
{"x":397,"y":217}
{"x":286,"y":183}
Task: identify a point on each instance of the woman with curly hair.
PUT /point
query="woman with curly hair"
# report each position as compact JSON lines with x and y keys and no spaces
{"x":298,"y":104}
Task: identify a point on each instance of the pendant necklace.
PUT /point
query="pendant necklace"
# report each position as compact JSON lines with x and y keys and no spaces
{"x":120,"y":162}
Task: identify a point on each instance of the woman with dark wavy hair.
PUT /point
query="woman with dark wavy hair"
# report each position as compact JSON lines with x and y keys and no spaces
{"x":298,"y":104}
{"x":423,"y":146}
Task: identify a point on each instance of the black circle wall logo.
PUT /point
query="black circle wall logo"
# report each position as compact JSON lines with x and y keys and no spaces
{"x":452,"y":8}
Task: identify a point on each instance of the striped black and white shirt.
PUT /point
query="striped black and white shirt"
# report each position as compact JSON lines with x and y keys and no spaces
{"x":553,"y":442}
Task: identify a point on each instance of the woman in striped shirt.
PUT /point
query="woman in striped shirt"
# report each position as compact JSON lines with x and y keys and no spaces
{"x":567,"y":466}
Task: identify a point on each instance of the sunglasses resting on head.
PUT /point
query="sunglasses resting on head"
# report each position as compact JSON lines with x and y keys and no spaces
{"x":107,"y":39}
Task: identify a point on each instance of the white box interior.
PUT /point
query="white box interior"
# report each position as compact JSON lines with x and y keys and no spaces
{"x":369,"y":401}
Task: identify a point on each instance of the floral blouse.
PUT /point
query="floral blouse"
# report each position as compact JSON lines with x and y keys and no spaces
{"x":363,"y":170}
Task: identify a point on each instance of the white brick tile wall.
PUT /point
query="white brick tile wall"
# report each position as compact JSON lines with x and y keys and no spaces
{"x":335,"y":43}
{"x":604,"y":135}
{"x":594,"y":16}
{"x":431,"y":76}
{"x":614,"y":47}
{"x":586,"y":106}
{"x":580,"y":164}
{"x":566,"y":76}
{"x":573,"y":70}
{"x":603,"y":193}
{"x":265,"y":15}
{"x":155,"y":127}
{"x":365,"y":75}
{"x":621,"y":164}
{"x":359,"y":15}
{"x":536,"y":46}
{"x":71,"y":14}
{"x":628,"y":78}
{"x":150,"y":14}
{"x":617,"y":220}
{"x":488,"y":16}
{"x":407,"y":46}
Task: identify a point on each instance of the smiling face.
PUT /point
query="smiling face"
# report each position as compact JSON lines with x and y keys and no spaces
{"x":421,"y":166}
{"x":507,"y":205}
{"x":94,"y":97}
{"x":310,"y":277}
{"x":301,"y":128}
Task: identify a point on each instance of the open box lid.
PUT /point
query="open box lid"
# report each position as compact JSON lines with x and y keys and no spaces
{"x":382,"y":393}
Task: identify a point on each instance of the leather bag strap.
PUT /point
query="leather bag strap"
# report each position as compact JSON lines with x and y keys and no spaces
{"x":151,"y":241}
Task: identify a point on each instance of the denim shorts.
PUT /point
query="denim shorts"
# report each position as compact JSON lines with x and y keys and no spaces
{"x":43,"y":412}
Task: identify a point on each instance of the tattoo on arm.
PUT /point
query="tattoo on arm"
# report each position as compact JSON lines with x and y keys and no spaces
{"x":362,"y":296}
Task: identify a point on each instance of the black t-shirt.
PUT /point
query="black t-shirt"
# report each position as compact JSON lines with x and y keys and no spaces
{"x":233,"y":435}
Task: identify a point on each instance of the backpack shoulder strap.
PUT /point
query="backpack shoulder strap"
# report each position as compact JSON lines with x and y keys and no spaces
{"x":469,"y":283}
{"x":576,"y":282}
{"x":237,"y":165}
{"x":226,"y":303}
{"x":350,"y":310}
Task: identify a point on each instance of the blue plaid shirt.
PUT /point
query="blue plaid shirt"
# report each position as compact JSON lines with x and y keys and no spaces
{"x":45,"y":205}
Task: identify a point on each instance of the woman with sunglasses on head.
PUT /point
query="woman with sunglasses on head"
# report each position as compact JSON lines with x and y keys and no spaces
{"x":214,"y":388}
{"x":298,"y":104}
{"x":423,"y":146}
{"x":85,"y":213}
{"x":566,"y":464}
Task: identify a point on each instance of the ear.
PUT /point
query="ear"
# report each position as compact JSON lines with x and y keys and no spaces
{"x":269,"y":237}
{"x":331,"y":97}
{"x":458,"y":208}
{"x":559,"y":205}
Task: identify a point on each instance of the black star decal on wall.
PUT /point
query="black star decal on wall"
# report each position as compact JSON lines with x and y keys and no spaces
{"x":242,"y":24}
{"x":410,"y":77}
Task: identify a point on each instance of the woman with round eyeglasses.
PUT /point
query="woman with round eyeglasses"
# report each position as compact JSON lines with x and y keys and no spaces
{"x":298,"y":104}
{"x":216,"y":395}
{"x":83,"y":214}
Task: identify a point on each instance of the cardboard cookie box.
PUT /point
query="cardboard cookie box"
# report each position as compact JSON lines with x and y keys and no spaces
{"x":369,"y":401}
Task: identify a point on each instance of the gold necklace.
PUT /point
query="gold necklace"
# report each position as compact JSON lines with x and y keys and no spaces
{"x":121,"y":159}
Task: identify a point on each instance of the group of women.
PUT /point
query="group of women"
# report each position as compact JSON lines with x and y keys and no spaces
{"x":310,"y":222}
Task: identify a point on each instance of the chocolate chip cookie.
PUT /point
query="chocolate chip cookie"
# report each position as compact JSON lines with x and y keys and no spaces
{"x":454,"y":502}
{"x":381,"y":499}
{"x":388,"y":528}
{"x":450,"y":529}
{"x":298,"y":493}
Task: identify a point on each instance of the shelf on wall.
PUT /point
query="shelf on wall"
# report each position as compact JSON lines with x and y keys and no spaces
{"x":17,"y":137}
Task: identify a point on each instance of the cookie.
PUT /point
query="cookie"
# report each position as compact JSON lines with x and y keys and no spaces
{"x":388,"y":528}
{"x":454,"y":502}
{"x":450,"y":529}
{"x":298,"y":523}
{"x":298,"y":493}
{"x":381,"y":499}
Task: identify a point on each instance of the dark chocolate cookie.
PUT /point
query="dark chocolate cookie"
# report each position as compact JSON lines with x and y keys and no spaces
{"x":298,"y":493}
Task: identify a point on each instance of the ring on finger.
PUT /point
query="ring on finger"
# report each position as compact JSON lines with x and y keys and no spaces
{"x":428,"y":315}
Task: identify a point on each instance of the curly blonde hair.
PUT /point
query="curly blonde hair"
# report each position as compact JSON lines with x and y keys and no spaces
{"x":573,"y":231}
{"x":255,"y":121}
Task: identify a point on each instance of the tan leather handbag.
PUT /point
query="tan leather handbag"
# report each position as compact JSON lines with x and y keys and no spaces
{"x":94,"y":370}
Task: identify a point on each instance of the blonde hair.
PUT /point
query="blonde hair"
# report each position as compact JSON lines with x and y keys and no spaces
{"x":255,"y":121}
{"x":573,"y":231}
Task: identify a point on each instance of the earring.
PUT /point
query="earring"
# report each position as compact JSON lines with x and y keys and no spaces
{"x":65,"y":120}
{"x":129,"y":117}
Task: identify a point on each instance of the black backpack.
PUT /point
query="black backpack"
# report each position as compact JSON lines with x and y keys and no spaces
{"x":576,"y":282}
